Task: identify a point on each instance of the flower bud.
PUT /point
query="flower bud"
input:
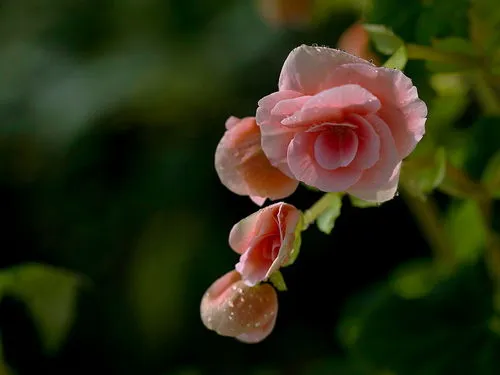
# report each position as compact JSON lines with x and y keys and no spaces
{"x":231,"y":308}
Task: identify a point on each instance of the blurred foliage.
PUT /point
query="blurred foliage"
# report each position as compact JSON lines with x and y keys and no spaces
{"x":115,"y":222}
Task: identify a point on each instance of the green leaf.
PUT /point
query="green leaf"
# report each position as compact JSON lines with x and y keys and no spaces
{"x":449,"y":84}
{"x":50,"y":294}
{"x":359,"y":203}
{"x":297,"y":242}
{"x":398,"y":59}
{"x":424,"y":173}
{"x":278,"y":281}
{"x":326,"y":221}
{"x":415,"y":279}
{"x":491,"y":176}
{"x":384,"y":40}
{"x":464,"y":50}
{"x":466,"y":231}
{"x":395,"y":334}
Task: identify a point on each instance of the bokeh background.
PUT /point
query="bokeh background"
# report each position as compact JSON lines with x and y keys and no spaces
{"x":110,"y":112}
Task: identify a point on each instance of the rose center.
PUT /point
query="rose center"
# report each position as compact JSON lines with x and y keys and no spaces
{"x":271,"y":248}
{"x":336,"y":147}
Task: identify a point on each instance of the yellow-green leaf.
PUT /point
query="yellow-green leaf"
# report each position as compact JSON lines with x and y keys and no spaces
{"x":384,"y":40}
{"x":356,"y":202}
{"x":424,"y":173}
{"x":326,"y":221}
{"x":50,"y":294}
{"x":398,"y":59}
{"x":278,"y":281}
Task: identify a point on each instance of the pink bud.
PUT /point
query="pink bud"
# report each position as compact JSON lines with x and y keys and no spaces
{"x":266,"y":240}
{"x":356,"y":41}
{"x":232,"y":308}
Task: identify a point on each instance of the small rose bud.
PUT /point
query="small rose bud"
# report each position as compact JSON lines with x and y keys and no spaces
{"x":356,"y":41}
{"x":286,"y":13}
{"x":267,"y":240}
{"x":232,"y":308}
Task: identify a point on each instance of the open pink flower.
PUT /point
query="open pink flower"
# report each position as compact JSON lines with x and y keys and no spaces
{"x":356,"y":41}
{"x":243,"y":167}
{"x":339,"y":123}
{"x":232,"y":308}
{"x":266,"y":240}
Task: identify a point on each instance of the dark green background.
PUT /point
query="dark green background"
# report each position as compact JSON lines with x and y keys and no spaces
{"x":110,"y":112}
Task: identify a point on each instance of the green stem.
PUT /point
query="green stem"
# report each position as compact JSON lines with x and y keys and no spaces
{"x":318,"y":208}
{"x":457,"y":184}
{"x":486,"y":94}
{"x":465,"y":187}
{"x":427,"y":216}
{"x":419,"y":52}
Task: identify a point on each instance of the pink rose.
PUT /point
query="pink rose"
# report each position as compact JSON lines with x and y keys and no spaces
{"x":243,"y":167}
{"x":266,"y":241}
{"x":232,"y":308}
{"x":339,"y":123}
{"x":356,"y":41}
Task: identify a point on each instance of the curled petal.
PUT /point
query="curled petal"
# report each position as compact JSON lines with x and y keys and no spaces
{"x":383,"y":192}
{"x":242,"y":232}
{"x":306,"y":168}
{"x":401,"y":109}
{"x":335,"y":149}
{"x":377,"y":183}
{"x":369,"y":143}
{"x":333,"y":104}
{"x":231,"y":308}
{"x":306,"y":67}
{"x":275,"y":137}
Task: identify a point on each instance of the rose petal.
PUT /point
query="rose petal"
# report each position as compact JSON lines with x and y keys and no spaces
{"x":231,"y":121}
{"x":402,"y":110}
{"x":259,"y":201}
{"x":335,"y":149}
{"x":274,"y":142}
{"x":243,"y":167}
{"x":332,"y":104}
{"x":369,"y":143}
{"x":375,"y":181}
{"x":288,"y":107}
{"x":275,"y":137}
{"x":306,"y":67}
{"x":253,"y":266}
{"x":288,"y":219}
{"x":243,"y":232}
{"x":269,"y":101}
{"x":307,"y":170}
{"x":383,"y":193}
